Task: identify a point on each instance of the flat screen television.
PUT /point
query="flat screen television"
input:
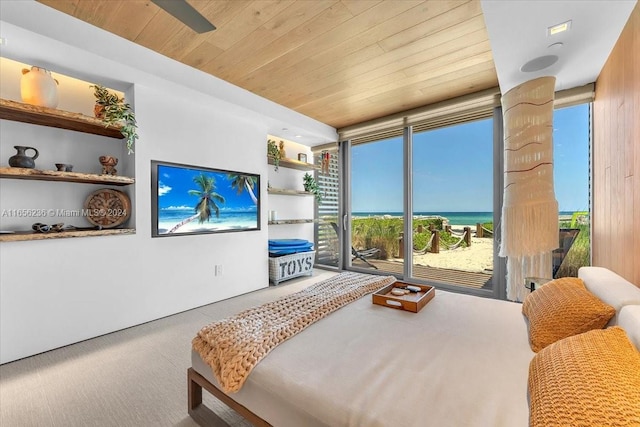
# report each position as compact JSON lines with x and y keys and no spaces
{"x":197,"y":200}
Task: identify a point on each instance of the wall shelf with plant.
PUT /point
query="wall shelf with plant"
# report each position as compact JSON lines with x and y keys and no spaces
{"x":112,"y":110}
{"x":311,"y":186}
{"x":275,"y":157}
{"x":288,"y":192}
{"x":54,"y":118}
{"x":51,"y":117}
{"x":293,"y":164}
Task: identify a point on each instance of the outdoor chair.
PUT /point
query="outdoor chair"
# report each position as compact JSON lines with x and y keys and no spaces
{"x":567,"y":237}
{"x":362,"y":254}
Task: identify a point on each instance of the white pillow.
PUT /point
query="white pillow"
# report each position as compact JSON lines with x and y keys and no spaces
{"x":610,"y":288}
{"x":629,"y":320}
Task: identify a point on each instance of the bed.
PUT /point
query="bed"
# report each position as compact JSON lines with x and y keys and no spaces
{"x":461,"y":361}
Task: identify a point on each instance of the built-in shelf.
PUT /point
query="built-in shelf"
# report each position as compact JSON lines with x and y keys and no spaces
{"x":291,"y":221}
{"x":51,"y":117}
{"x":294,"y":164}
{"x":48,"y":175}
{"x":30,"y":235}
{"x":287,"y":192}
{"x":26,"y":113}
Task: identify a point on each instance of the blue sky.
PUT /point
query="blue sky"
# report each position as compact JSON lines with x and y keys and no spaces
{"x":175,"y":182}
{"x":452,"y":170}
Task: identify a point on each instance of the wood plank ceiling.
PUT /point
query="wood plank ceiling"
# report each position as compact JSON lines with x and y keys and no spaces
{"x":341,"y":62}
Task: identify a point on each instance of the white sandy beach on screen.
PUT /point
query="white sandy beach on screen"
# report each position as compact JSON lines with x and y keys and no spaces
{"x":478,"y":257}
{"x":196,"y":227}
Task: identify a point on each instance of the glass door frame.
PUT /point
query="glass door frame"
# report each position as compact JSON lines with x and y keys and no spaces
{"x":344,"y":205}
{"x":499,"y":264}
{"x":407,"y":160}
{"x":344,"y":212}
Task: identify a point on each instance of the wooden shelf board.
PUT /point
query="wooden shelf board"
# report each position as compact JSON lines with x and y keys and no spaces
{"x":291,"y":221}
{"x":30,"y":235}
{"x":294,"y":164}
{"x":26,"y":113}
{"x":47,"y":175}
{"x":287,"y":192}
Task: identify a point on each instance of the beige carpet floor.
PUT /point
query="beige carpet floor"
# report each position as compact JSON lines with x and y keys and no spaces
{"x":134,"y":377}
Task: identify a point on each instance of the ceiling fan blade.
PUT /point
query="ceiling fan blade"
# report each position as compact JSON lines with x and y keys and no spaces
{"x":184,"y":12}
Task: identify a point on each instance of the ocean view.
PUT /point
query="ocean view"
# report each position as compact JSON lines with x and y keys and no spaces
{"x":455,"y":218}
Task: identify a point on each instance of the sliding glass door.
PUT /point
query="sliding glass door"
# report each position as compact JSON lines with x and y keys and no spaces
{"x":424,"y":202}
{"x":452,"y":221}
{"x":376,"y":211}
{"x":419,"y":205}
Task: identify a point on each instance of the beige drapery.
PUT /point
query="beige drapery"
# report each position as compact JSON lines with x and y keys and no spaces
{"x":530,"y":210}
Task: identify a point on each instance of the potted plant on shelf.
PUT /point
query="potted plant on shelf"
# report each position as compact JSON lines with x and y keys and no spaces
{"x":274,"y":153}
{"x":311,"y":186}
{"x":112,"y":109}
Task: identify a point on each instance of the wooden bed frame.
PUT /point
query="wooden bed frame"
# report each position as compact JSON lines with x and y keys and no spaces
{"x":606,"y":285}
{"x":195,"y":384}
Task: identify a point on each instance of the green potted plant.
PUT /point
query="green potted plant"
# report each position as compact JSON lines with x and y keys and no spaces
{"x":273,"y":152}
{"x":112,"y":109}
{"x":311,"y":186}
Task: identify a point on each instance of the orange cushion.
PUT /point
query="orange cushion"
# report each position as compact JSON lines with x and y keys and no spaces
{"x":561,"y":308}
{"x":590,"y":379}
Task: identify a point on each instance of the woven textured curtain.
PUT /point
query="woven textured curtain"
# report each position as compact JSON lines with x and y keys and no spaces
{"x":530,"y":210}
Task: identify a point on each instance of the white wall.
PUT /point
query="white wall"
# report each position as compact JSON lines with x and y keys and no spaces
{"x":57,"y":292}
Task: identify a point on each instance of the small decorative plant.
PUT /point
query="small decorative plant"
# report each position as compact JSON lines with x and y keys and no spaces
{"x":311,"y":186}
{"x":114,"y":111}
{"x":273,"y":152}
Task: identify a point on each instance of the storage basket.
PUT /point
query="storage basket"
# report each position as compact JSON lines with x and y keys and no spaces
{"x":289,"y":266}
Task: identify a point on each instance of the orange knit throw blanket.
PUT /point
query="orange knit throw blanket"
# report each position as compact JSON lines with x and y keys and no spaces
{"x":234,"y":346}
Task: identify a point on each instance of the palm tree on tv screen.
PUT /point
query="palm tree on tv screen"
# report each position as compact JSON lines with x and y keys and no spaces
{"x":207,"y":202}
{"x":244,"y":182}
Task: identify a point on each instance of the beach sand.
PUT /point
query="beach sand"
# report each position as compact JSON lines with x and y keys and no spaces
{"x":478,"y":257}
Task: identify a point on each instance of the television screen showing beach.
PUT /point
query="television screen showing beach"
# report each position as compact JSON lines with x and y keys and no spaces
{"x":193,"y":200}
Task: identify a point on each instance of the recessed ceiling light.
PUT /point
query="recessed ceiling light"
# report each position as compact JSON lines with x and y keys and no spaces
{"x":565,"y":26}
{"x":555,"y":46}
{"x":539,"y":63}
{"x":298,"y":136}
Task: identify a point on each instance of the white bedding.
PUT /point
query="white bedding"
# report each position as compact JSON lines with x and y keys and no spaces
{"x":461,"y":361}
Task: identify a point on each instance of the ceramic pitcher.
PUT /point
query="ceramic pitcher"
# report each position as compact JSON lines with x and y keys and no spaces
{"x":21,"y":159}
{"x":38,"y":87}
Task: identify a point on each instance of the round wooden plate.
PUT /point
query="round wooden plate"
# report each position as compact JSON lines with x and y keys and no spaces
{"x":107,"y":208}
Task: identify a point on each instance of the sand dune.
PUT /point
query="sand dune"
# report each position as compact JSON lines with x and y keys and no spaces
{"x":478,"y":257}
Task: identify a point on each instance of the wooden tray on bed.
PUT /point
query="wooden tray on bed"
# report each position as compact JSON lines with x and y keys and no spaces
{"x":410,"y":302}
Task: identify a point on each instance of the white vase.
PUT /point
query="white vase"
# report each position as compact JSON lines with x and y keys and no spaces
{"x":38,"y":87}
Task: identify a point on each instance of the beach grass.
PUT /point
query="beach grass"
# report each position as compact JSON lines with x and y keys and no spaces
{"x":385,"y":234}
{"x":381,"y":233}
{"x":579,"y":254}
